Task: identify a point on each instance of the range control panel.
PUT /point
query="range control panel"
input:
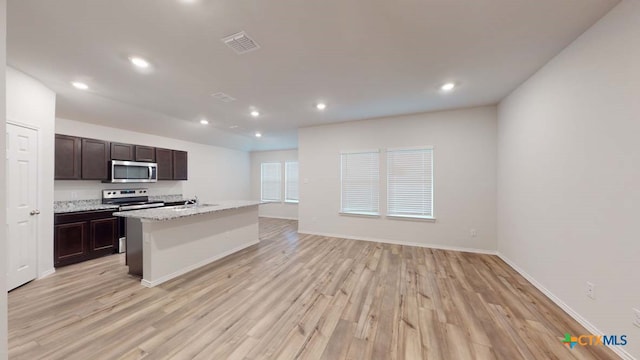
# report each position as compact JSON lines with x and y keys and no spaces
{"x":125,"y":193}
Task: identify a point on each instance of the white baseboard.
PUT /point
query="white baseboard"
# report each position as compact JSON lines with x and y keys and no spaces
{"x":46,"y":273}
{"x":202,"y":263}
{"x":279,"y":217}
{"x":566,"y":308}
{"x":404,"y":243}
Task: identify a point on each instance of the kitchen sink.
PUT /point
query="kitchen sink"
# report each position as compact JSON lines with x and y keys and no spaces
{"x":190,"y":206}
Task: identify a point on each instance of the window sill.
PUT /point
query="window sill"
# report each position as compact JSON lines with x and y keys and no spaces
{"x":412,"y":218}
{"x":365,"y":215}
{"x":271,"y":201}
{"x":292,"y":201}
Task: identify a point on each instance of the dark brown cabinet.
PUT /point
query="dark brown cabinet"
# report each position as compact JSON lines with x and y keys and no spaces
{"x":81,"y":236}
{"x":121,"y":151}
{"x":145,"y":153}
{"x":104,"y":232}
{"x":180,"y":165}
{"x":70,"y":241}
{"x":164,"y":159}
{"x":67,"y":157}
{"x":130,"y":152}
{"x":95,"y":159}
{"x":88,"y":159}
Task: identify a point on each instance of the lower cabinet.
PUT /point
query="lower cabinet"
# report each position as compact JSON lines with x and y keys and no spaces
{"x":81,"y":236}
{"x":70,"y":243}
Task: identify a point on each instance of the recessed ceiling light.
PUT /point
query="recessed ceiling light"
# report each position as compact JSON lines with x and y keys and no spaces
{"x":448,"y":86}
{"x":321,"y":106}
{"x":79,"y":85}
{"x":139,"y":62}
{"x":258,"y":134}
{"x":204,"y":121}
{"x":255,"y":113}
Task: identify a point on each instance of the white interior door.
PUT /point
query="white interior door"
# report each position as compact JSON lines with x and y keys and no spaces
{"x":22,"y":212}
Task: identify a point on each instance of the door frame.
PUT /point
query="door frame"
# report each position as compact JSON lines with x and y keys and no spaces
{"x":39,"y":232}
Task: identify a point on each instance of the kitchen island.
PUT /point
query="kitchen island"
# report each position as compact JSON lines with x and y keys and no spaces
{"x":163,"y":243}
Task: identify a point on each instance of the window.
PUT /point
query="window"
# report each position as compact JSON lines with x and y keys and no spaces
{"x":360,"y":174}
{"x":410,"y":182}
{"x":291,"y":181}
{"x":270,"y":181}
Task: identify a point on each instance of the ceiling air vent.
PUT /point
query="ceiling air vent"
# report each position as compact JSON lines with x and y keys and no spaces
{"x":240,"y":43}
{"x":223,"y":97}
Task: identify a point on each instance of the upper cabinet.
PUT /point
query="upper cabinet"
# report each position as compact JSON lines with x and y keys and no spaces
{"x":179,"y":165}
{"x":121,"y":151}
{"x":95,"y":159}
{"x":164,"y":159}
{"x":88,"y":159}
{"x":67,"y":157}
{"x":145,"y":153}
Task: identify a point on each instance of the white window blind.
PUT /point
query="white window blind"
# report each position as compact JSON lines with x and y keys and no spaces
{"x":270,"y":181}
{"x":410,"y":182}
{"x":360,"y":178}
{"x":291,"y":181}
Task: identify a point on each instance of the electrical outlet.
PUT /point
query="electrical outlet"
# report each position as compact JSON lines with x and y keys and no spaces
{"x":473,"y":232}
{"x":591,"y":290}
{"x":636,"y":317}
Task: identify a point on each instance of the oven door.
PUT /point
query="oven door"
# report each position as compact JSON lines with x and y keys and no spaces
{"x":133,"y":172}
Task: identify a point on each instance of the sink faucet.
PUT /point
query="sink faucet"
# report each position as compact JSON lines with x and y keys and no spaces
{"x":193,"y":201}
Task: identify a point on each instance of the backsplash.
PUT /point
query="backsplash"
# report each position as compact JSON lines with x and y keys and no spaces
{"x":66,"y":190}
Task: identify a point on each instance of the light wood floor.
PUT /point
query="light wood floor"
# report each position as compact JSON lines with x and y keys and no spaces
{"x":296,"y":296}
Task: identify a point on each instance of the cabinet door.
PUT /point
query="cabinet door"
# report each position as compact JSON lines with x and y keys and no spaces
{"x":180,"y":168}
{"x":67,"y":157}
{"x":145,"y":153}
{"x":104,"y":236}
{"x":95,"y":159}
{"x":70,"y":243}
{"x":164,"y":158}
{"x":121,"y":152}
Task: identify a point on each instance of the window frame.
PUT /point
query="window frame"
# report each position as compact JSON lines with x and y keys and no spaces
{"x":377,"y":189}
{"x":286,"y":182}
{"x":279,"y":187}
{"x":388,"y":213}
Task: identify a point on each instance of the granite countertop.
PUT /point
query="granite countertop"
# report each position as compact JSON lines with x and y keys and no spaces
{"x":60,"y":207}
{"x":176,"y":212}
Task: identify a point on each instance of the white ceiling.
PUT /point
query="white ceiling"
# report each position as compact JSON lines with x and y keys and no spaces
{"x":364,"y":58}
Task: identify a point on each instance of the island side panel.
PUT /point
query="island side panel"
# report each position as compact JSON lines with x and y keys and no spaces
{"x":174,"y":247}
{"x":134,"y":246}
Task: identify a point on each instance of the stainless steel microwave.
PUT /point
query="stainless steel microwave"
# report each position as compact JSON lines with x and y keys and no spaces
{"x":132,"y":172}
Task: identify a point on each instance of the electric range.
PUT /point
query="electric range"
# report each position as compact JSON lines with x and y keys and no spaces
{"x":128,"y":199}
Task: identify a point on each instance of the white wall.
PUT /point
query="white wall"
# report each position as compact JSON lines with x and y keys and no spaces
{"x":32,"y":104}
{"x":281,"y":210}
{"x":3,"y":215}
{"x":464,"y":177}
{"x":569,"y":174}
{"x":215,"y":173}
